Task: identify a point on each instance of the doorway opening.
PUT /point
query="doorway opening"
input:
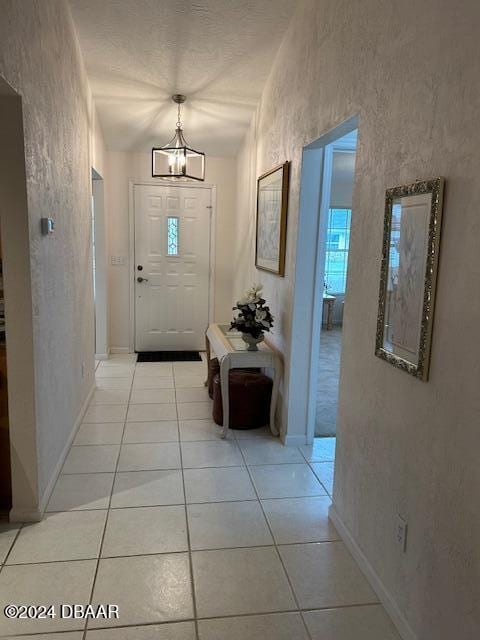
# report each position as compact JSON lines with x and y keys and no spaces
{"x":99,"y":269}
{"x":18,"y":447}
{"x":328,"y":169}
{"x":332,"y":250}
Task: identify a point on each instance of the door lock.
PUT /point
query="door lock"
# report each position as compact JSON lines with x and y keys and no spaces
{"x":140,"y":279}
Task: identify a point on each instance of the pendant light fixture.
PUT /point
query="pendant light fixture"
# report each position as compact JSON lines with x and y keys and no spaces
{"x":176,"y":159}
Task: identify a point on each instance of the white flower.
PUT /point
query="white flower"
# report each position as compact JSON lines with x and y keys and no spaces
{"x":247,"y":297}
{"x":256,"y":291}
{"x":251,"y":297}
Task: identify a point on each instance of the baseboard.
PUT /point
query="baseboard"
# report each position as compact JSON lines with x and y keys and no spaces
{"x":373,"y":578}
{"x":102,"y":356}
{"x":58,"y":467}
{"x":120,"y":350}
{"x":294,"y":440}
{"x":24,"y":515}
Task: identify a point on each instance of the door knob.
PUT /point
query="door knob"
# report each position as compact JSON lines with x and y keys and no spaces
{"x":140,"y":279}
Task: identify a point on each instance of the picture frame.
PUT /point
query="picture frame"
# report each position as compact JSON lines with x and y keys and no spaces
{"x":410,"y":253}
{"x":271,"y":219}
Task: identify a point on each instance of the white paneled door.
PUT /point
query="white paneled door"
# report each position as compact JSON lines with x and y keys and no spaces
{"x":172,"y":267}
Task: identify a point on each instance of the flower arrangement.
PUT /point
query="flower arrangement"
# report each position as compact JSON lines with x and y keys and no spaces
{"x":254,"y":316}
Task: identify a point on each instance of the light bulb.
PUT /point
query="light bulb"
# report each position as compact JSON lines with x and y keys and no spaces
{"x":176,"y":162}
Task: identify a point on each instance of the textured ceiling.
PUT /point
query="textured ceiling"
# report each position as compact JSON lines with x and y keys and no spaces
{"x":217,"y":52}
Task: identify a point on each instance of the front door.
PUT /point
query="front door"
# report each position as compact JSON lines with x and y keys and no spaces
{"x":172,"y":267}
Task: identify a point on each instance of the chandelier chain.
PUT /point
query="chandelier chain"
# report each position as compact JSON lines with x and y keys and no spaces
{"x":179,"y":121}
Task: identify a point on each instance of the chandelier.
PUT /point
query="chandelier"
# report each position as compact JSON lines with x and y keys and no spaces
{"x":176,"y":159}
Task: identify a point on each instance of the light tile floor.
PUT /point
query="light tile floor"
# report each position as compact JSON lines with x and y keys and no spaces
{"x":193,"y":537}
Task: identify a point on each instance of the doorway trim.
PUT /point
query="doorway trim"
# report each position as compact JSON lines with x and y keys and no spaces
{"x":100,"y":302}
{"x":309,"y":269}
{"x":131,"y":245}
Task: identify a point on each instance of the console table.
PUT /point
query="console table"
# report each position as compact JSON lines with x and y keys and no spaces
{"x":232,"y":353}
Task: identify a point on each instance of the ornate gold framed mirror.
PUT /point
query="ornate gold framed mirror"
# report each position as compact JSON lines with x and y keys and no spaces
{"x":411,"y":242}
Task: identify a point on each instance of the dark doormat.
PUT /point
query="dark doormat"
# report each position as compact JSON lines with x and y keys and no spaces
{"x":168,"y":356}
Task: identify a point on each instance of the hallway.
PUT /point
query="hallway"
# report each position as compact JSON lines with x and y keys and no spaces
{"x":169,"y":169}
{"x":150,"y":495}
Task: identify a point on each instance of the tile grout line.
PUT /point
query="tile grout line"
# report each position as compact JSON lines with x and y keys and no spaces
{"x":181,"y":503}
{"x":166,"y":623}
{"x":85,"y":629}
{"x":4,"y":563}
{"x":190,"y":559}
{"x":97,"y":424}
{"x":163,"y":553}
{"x":232,"y":466}
{"x":313,"y":471}
{"x":276,"y":546}
{"x":310,"y":462}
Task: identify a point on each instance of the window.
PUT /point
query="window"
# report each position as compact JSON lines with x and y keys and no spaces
{"x":338,"y":240}
{"x":172,"y":236}
{"x":393,"y":254}
{"x":333,"y":241}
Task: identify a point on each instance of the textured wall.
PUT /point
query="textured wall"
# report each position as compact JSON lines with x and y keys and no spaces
{"x":40,"y":59}
{"x":206,"y":47}
{"x":122,"y":167}
{"x":410,"y":71}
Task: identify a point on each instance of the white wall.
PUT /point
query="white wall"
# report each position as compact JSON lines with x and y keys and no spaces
{"x":343,"y":171}
{"x":245,"y":273}
{"x":40,"y":58}
{"x":122,"y":167}
{"x":410,"y":71}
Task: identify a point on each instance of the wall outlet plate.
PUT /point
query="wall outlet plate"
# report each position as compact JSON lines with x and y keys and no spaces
{"x":401,"y":532}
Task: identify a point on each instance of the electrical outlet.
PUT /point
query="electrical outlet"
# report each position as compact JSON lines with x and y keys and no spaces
{"x":401,"y":532}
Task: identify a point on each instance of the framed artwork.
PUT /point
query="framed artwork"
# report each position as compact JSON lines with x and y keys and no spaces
{"x":411,"y":242}
{"x":272,"y":206}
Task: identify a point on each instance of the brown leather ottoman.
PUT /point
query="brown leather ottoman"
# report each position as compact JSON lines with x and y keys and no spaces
{"x":213,"y":370}
{"x":250,"y":394}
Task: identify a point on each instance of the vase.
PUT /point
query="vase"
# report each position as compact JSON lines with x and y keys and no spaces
{"x":251,"y":341}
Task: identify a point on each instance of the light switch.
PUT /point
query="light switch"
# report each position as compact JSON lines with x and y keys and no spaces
{"x":47,"y":225}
